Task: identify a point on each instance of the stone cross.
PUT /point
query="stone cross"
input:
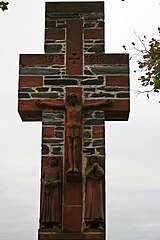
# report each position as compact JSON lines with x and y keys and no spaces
{"x":73,"y":88}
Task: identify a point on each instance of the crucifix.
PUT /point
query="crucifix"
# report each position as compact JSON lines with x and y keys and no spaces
{"x":73,"y":88}
{"x":73,"y":124}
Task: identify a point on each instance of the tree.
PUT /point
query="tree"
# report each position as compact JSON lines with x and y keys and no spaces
{"x":3,"y":5}
{"x":147,"y":53}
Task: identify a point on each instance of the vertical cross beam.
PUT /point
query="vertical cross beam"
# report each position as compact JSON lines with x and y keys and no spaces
{"x":74,"y":48}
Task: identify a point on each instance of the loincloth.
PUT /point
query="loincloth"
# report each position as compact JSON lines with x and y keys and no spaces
{"x":74,"y":131}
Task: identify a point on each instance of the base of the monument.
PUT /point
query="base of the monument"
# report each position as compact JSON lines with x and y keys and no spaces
{"x":52,"y":235}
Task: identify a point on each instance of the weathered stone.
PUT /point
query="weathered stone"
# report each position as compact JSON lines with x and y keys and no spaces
{"x":123,"y":69}
{"x":87,"y":135}
{"x":39,"y":71}
{"x":87,"y":114}
{"x":59,"y":128}
{"x":23,"y":95}
{"x":59,"y":134}
{"x":57,"y":89}
{"x":99,"y":115}
{"x":87,"y":143}
{"x":88,"y":72}
{"x":45,"y":149}
{"x":52,"y":116}
{"x":123,"y":95}
{"x":62,"y":82}
{"x":55,"y":123}
{"x":93,"y":16}
{"x":62,"y":15}
{"x":92,"y":82}
{"x":53,"y":48}
{"x":57,"y":151}
{"x":97,"y":48}
{"x":89,"y":89}
{"x":45,"y":95}
{"x":100,"y":24}
{"x":42,"y":89}
{"x":98,"y":143}
{"x":89,"y":151}
{"x":89,"y":24}
{"x":94,"y":122}
{"x":61,"y":24}
{"x":101,"y":150}
{"x":26,"y":90}
{"x":50,"y":23}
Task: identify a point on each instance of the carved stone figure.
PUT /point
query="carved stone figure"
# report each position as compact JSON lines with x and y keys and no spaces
{"x":94,"y":206}
{"x":50,"y":215}
{"x":73,"y":131}
{"x":73,"y":126}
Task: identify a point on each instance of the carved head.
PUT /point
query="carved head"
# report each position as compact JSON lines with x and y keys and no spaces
{"x":92,"y":159}
{"x":53,"y":161}
{"x":72,"y":99}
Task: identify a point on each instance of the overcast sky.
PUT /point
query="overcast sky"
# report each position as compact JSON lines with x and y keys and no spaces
{"x":132,"y":147}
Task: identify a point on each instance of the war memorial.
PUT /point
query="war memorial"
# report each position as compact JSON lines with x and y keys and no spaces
{"x":73,"y":88}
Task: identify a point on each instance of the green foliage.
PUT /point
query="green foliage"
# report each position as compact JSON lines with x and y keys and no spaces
{"x":151,"y":65}
{"x":3,"y":5}
{"x":147,"y":53}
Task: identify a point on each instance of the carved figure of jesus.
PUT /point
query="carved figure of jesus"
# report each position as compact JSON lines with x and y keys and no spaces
{"x":73,"y":131}
{"x":73,"y":124}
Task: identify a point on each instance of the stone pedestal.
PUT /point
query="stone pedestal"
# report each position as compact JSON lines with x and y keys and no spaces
{"x":50,"y":235}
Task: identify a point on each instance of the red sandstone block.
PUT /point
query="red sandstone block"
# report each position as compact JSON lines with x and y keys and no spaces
{"x":117,"y":105}
{"x":54,"y":34}
{"x":98,"y":131}
{"x":72,"y":218}
{"x":94,"y":33}
{"x":41,"y":59}
{"x":30,"y":81}
{"x":74,"y":52}
{"x":47,"y":132}
{"x":122,"y":81}
{"x":48,"y":234}
{"x":75,"y":7}
{"x":106,"y":59}
{"x":73,"y":193}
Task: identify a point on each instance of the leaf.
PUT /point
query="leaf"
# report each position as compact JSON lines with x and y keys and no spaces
{"x":3,"y":5}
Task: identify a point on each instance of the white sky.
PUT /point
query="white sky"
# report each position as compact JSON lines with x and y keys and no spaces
{"x":132,"y":147}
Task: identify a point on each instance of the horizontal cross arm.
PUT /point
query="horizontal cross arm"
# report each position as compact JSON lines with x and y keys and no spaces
{"x":118,"y":109}
{"x":29,"y":110}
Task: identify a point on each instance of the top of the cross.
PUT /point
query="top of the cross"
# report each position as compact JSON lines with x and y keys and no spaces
{"x":75,"y":7}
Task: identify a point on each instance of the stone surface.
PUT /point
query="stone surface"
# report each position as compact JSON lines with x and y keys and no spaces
{"x":74,"y":63}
